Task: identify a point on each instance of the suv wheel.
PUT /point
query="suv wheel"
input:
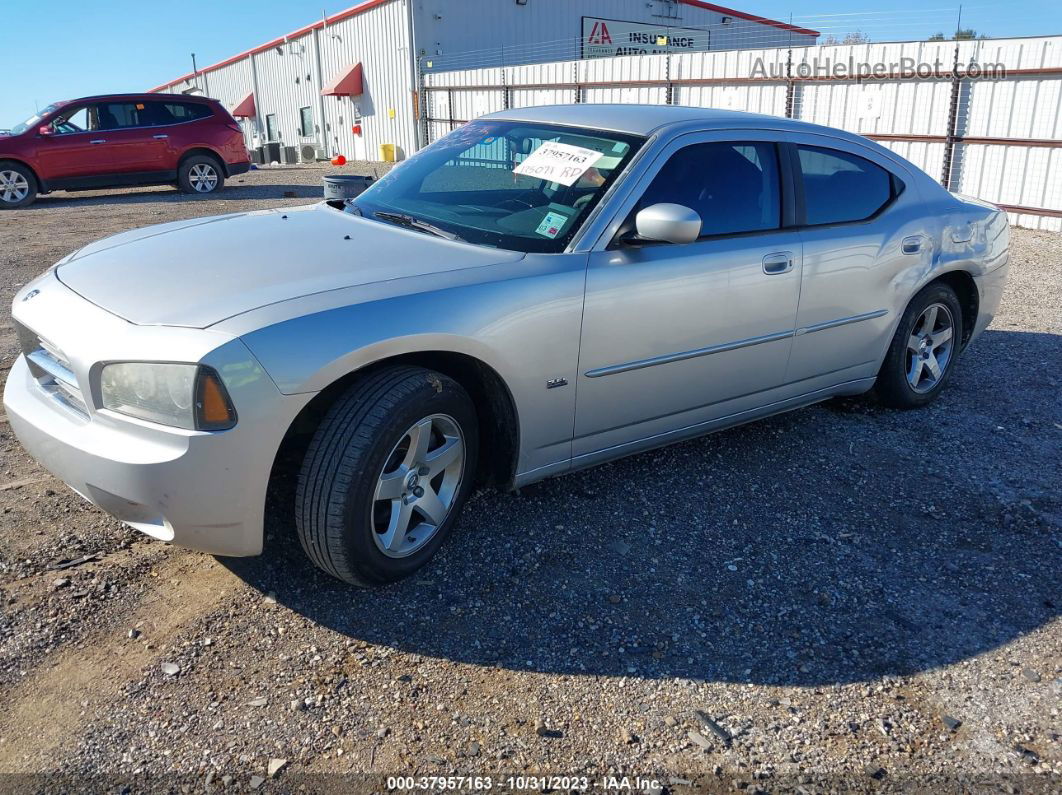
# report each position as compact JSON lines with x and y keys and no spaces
{"x":200,"y":174}
{"x":386,"y":475}
{"x":18,"y":186}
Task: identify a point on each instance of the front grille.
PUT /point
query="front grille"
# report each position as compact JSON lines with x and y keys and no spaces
{"x":50,"y":367}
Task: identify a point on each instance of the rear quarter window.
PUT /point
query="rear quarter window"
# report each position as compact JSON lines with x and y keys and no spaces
{"x":177,"y":112}
{"x":840,"y":187}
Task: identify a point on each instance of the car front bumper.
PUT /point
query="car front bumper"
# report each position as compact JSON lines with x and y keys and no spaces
{"x":199,"y":489}
{"x":164,"y":484}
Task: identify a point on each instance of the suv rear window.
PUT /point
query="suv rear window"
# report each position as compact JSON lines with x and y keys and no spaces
{"x":177,"y":112}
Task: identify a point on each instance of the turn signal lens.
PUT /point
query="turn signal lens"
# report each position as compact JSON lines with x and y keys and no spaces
{"x":213,"y":409}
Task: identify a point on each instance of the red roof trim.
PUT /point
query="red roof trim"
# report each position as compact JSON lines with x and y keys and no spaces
{"x":730,"y":12}
{"x":337,"y":17}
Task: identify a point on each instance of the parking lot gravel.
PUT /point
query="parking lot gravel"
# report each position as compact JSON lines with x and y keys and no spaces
{"x":839,"y":598}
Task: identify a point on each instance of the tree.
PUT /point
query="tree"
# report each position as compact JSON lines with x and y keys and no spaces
{"x":858,"y":37}
{"x":966,"y":34}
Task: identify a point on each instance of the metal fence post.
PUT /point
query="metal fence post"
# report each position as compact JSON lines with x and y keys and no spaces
{"x":423,"y":112}
{"x":790,"y":86}
{"x":953,"y":119}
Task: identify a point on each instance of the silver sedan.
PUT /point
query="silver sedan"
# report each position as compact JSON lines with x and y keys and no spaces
{"x":541,"y":290}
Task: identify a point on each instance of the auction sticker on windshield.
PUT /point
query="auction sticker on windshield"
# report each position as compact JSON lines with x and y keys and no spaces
{"x":557,"y":162}
{"x":552,"y":224}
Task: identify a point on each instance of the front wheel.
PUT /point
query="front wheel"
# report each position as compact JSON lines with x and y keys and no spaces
{"x":18,"y":186}
{"x":386,"y":475}
{"x":200,"y":175}
{"x":923,"y":351}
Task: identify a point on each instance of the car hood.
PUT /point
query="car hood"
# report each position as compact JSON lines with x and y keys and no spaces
{"x":199,"y":272}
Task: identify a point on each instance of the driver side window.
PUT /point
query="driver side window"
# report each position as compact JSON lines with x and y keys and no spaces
{"x":73,"y":122}
{"x":732,"y":186}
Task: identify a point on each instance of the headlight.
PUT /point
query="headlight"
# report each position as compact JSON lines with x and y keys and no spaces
{"x":182,"y":395}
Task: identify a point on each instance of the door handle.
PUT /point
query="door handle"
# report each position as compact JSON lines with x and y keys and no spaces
{"x":159,"y":137}
{"x":911,"y":245}
{"x":99,"y":141}
{"x":778,"y":263}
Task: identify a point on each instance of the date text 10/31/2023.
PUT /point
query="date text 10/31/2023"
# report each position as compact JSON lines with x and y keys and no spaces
{"x":523,"y":783}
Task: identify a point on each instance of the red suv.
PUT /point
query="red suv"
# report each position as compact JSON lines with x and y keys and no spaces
{"x":121,"y":139}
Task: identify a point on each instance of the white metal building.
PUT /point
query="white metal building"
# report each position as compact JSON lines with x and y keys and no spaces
{"x":348,"y":83}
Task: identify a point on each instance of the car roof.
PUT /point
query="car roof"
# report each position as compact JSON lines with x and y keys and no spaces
{"x":648,"y":119}
{"x":140,"y":97}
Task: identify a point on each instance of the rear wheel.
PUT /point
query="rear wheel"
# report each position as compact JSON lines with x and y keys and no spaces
{"x":386,"y":475}
{"x":200,"y":174}
{"x":18,"y":186}
{"x":923,"y":351}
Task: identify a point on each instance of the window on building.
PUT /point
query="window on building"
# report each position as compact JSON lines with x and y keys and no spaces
{"x":840,"y":187}
{"x":272,"y":133}
{"x":305,"y":121}
{"x":732,"y":186}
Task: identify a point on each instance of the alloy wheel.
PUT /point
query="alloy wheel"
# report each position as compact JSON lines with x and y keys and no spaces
{"x":418,"y":485}
{"x":930,"y":348}
{"x":203,"y":177}
{"x":14,"y":187}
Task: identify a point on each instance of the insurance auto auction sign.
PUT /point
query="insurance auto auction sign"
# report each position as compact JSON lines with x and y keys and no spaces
{"x":605,"y":38}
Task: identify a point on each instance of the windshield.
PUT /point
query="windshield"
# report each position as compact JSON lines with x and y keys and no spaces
{"x":18,"y":129}
{"x":513,"y":185}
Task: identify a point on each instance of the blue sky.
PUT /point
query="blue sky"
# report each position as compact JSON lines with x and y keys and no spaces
{"x":60,"y":49}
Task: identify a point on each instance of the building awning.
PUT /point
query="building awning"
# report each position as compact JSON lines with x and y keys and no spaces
{"x":347,"y":83}
{"x":246,"y":108}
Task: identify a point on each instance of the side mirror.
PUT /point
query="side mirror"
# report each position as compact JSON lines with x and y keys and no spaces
{"x":669,"y":223}
{"x":45,"y":129}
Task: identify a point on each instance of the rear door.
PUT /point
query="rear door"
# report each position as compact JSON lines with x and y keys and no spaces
{"x":861,"y":236}
{"x":175,"y":127}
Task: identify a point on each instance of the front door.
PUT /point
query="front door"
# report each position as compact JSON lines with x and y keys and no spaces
{"x":676,"y":335}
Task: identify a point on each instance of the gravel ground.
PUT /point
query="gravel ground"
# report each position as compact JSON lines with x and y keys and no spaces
{"x":842,"y":597}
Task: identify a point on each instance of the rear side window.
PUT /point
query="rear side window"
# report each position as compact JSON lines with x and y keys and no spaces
{"x":732,"y":186}
{"x":120,"y":115}
{"x":840,"y":187}
{"x":177,"y":112}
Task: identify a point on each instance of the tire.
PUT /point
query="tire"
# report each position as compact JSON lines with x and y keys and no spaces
{"x":361,"y":472}
{"x":18,"y":185}
{"x":201,"y":175}
{"x":920,"y":360}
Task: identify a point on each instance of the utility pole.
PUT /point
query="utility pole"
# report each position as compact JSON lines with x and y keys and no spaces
{"x":195,"y":71}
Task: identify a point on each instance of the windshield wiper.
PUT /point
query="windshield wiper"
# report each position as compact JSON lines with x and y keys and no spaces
{"x":410,"y":222}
